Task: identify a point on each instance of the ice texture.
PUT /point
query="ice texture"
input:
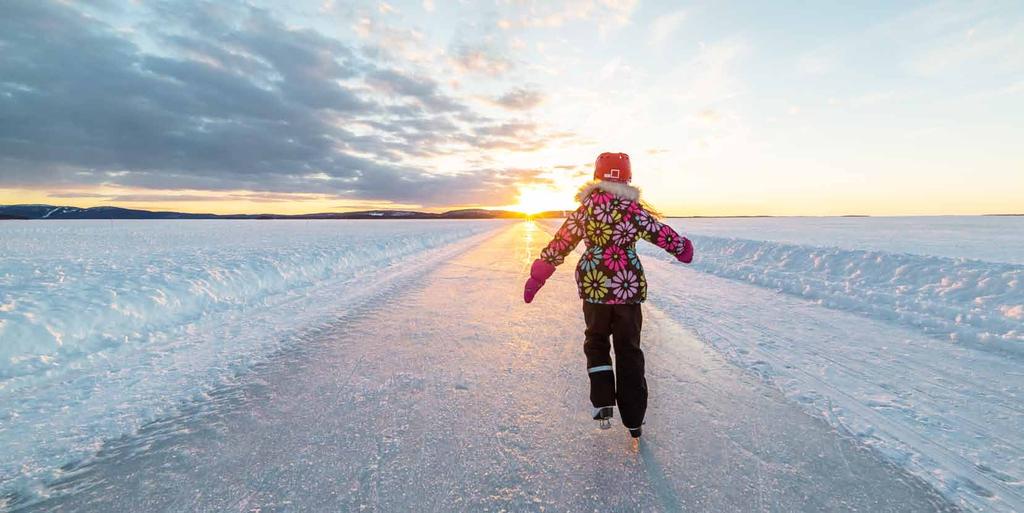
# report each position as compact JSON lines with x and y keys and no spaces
{"x":451,"y":394}
{"x":397,"y":359}
{"x":107,"y":324}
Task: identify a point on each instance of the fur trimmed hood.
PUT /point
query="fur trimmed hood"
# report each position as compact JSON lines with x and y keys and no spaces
{"x":622,"y":190}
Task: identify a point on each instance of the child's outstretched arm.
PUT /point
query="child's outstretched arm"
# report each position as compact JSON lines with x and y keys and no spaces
{"x":567,"y":237}
{"x":663,"y":236}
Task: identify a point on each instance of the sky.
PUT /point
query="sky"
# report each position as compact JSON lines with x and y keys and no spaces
{"x":726,"y":108}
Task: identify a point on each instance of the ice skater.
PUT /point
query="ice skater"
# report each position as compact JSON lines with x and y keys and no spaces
{"x":610,"y":219}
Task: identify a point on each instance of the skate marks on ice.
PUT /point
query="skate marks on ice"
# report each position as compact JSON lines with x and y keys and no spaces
{"x":449,"y":394}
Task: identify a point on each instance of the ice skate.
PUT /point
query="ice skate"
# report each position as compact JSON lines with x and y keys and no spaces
{"x":603,"y":416}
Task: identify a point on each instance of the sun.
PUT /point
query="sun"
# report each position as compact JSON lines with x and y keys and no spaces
{"x":535,"y":199}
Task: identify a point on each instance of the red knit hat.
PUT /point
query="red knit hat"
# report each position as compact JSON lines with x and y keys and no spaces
{"x":613,"y":167}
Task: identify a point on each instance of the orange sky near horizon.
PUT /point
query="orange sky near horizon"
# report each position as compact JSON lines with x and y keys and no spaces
{"x":541,"y":200}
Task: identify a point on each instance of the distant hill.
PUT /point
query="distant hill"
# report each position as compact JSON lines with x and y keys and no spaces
{"x":61,"y":212}
{"x":58,"y":212}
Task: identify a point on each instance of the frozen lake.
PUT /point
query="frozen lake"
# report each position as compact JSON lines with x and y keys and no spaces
{"x":108,"y":326}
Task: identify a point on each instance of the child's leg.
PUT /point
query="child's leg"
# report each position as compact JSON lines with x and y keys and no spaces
{"x":629,"y":364}
{"x":596,"y":347}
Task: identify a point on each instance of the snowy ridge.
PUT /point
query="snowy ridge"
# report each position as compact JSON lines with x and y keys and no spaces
{"x":967,"y":301}
{"x":104,"y":326}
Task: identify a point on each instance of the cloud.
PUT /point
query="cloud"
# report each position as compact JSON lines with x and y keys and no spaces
{"x":75,"y":195}
{"x":520,"y":99}
{"x":224,"y":97}
{"x":480,"y":59}
{"x":613,"y":14}
{"x":607,"y":14}
{"x":421,"y":89}
{"x":664,"y":26}
{"x":709,"y":116}
{"x":388,"y":42}
{"x":514,"y":136}
{"x":610,"y":68}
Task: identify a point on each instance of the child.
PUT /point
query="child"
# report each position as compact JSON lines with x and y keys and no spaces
{"x":610,"y":279}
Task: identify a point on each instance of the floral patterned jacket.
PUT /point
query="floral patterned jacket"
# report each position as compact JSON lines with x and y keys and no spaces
{"x":609,"y":221}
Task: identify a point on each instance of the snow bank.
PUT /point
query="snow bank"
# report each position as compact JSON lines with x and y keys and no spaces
{"x":66,"y":299}
{"x":967,"y":301}
{"x":104,"y":325}
{"x":988,"y":238}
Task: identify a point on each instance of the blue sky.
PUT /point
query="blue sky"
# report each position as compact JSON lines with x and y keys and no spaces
{"x":725,"y":108}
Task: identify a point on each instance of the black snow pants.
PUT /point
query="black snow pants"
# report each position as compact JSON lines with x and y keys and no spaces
{"x":625,"y":384}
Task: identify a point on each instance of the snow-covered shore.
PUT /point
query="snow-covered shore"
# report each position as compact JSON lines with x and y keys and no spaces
{"x":965,"y":301}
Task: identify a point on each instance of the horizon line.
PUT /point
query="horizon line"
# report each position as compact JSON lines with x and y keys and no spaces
{"x":499,"y":209}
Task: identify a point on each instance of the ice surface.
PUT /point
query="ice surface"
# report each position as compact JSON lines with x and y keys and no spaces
{"x":394,"y":367}
{"x":106,"y":325}
{"x":459,"y":397}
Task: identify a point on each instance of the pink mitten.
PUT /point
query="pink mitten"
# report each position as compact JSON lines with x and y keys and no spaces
{"x":687,"y":255}
{"x":539,"y":274}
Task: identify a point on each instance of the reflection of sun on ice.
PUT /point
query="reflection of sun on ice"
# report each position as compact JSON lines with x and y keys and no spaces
{"x":531,"y":226}
{"x":536,"y":199}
